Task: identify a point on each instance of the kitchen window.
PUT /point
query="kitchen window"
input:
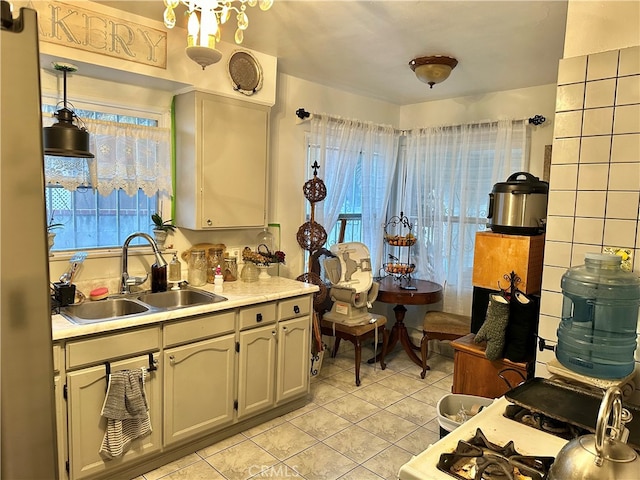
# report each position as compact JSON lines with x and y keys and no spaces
{"x":351,"y":209}
{"x":101,"y":201}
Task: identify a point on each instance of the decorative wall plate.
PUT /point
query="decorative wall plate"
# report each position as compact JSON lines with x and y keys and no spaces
{"x":245,"y":72}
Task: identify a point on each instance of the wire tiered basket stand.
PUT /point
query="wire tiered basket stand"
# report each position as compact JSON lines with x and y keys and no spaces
{"x":398,"y":239}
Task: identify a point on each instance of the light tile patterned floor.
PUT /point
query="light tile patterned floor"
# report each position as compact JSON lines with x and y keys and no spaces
{"x":344,"y":432}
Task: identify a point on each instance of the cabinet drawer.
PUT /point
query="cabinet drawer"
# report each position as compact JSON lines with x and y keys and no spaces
{"x":199,"y":328}
{"x":101,"y":349}
{"x":261,"y":314}
{"x":56,"y":358}
{"x":294,"y":307}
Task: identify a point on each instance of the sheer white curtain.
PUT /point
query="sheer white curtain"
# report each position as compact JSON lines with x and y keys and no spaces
{"x":127,"y":157}
{"x":380,"y":157}
{"x":449,"y":173}
{"x":341,"y":144}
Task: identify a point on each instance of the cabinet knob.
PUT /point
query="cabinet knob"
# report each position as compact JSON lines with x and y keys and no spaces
{"x":296,"y":309}
{"x":172,"y":358}
{"x":209,"y":222}
{"x":284,"y":329}
{"x":258,"y":317}
{"x":273,"y":332}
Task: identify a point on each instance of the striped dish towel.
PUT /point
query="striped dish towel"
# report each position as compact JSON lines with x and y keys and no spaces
{"x":127,"y":412}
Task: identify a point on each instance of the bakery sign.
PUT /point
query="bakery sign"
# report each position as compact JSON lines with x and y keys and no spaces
{"x":71,"y":25}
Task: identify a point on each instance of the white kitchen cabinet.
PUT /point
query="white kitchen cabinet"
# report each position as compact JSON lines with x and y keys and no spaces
{"x":61,"y":412}
{"x":292,"y":370}
{"x":198,"y":387}
{"x":221,"y":162}
{"x":256,"y":370}
{"x":86,"y":389}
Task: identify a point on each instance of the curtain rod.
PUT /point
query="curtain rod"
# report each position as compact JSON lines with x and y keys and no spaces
{"x":304,"y":116}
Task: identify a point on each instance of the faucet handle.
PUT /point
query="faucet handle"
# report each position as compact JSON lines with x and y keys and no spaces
{"x":136,"y":280}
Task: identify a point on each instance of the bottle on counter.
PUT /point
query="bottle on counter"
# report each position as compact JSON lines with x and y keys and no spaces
{"x":158,"y":278}
{"x":218,"y":277}
{"x":197,"y":268}
{"x":175,"y":269}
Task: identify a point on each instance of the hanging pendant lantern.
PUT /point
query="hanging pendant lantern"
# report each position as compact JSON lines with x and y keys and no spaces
{"x":65,"y":138}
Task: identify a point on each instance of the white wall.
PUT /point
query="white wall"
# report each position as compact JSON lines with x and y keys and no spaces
{"x":602,"y":47}
{"x":513,"y":104}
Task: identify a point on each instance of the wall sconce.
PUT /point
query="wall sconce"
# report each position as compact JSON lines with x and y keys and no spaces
{"x":432,"y":70}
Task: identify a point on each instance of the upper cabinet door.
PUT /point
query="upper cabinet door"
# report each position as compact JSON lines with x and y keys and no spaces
{"x":221,"y":162}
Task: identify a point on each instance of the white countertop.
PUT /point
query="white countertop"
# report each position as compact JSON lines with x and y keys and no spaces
{"x":497,"y":428}
{"x":238,"y":294}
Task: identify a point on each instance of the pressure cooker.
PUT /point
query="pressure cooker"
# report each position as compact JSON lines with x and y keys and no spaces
{"x":519,"y":205}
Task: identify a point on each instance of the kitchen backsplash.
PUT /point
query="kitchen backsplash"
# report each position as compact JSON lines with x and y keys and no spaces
{"x":594,"y":188}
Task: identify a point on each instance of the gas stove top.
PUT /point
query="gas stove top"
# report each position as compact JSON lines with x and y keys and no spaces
{"x":519,"y":440}
{"x":480,"y":458}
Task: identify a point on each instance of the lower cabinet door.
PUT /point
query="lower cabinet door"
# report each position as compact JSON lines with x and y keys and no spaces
{"x":256,"y":375}
{"x":198,"y":387}
{"x":292,"y":369}
{"x":85,"y":397}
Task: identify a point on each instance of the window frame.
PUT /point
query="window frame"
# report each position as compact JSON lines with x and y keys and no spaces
{"x":163,"y":119}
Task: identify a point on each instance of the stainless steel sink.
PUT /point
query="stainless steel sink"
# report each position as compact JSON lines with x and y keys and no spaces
{"x":116,"y":307}
{"x":103,"y":310}
{"x":179,"y":298}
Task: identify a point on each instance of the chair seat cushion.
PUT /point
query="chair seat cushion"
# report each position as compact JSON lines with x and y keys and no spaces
{"x":355,"y":330}
{"x":444,"y":322}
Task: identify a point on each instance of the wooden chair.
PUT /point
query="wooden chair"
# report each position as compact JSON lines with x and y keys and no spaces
{"x":356,"y":334}
{"x":441,"y":326}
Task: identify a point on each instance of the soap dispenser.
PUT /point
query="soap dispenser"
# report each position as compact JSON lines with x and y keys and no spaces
{"x":175,"y":271}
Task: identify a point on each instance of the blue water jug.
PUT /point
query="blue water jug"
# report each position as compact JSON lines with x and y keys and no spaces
{"x":597,"y":333}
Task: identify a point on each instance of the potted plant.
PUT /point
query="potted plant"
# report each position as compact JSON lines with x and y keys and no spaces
{"x":161,"y":228}
{"x":51,"y":235}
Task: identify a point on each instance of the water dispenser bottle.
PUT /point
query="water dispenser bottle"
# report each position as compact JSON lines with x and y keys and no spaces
{"x":597,"y":333}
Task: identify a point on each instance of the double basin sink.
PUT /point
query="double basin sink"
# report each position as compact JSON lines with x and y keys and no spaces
{"x":127,"y":305}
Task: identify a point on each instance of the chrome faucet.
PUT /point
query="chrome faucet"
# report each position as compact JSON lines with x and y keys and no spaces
{"x":127,"y":281}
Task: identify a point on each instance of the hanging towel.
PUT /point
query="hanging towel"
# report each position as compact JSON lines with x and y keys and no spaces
{"x":126,"y":410}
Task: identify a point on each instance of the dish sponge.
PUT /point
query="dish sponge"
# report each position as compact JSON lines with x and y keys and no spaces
{"x":99,"y":293}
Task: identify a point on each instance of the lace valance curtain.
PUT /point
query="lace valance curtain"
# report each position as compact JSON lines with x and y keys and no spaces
{"x":127,"y":157}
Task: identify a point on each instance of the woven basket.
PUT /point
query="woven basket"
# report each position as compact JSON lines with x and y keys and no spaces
{"x":321,"y":295}
{"x":314,"y":190}
{"x":311,"y":236}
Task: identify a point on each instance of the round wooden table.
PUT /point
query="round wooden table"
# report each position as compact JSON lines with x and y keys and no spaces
{"x":394,"y":290}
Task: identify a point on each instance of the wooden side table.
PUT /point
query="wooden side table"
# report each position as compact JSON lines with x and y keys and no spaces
{"x":474,"y":374}
{"x":391,"y":291}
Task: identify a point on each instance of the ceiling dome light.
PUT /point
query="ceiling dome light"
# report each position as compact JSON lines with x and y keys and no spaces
{"x":64,"y":138}
{"x":432,"y":70}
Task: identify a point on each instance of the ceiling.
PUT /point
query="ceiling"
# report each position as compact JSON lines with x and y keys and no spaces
{"x":365,"y":46}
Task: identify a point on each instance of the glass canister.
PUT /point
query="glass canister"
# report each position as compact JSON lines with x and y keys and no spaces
{"x":597,"y":333}
{"x":215,"y":260}
{"x":230,"y":271}
{"x":197,"y":268}
{"x":249,"y":272}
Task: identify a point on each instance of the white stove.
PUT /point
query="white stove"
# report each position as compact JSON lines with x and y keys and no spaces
{"x":497,"y":428}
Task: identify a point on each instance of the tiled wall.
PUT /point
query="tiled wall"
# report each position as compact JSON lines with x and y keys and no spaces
{"x":594,"y":188}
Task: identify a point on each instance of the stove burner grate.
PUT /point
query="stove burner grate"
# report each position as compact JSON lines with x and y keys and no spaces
{"x":479,"y":459}
{"x":539,"y":421}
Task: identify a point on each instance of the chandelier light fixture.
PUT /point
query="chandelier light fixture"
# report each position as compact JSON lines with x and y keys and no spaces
{"x":434,"y":69}
{"x":205,"y":19}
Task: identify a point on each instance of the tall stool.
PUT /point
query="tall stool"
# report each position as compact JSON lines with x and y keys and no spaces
{"x":441,"y":326}
{"x":356,"y":334}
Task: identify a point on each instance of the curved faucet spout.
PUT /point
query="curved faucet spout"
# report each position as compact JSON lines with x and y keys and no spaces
{"x":127,"y":281}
